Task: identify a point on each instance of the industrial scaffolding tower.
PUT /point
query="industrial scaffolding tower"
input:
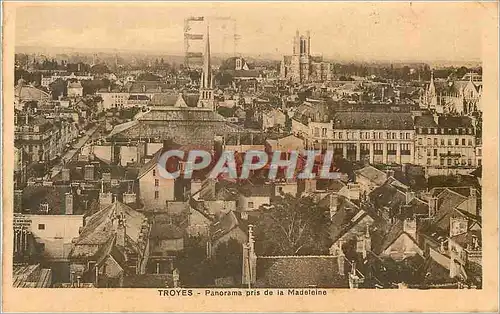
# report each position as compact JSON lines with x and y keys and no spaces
{"x":194,"y":58}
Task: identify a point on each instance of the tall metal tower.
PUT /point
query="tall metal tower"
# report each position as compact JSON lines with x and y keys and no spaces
{"x":188,"y":37}
{"x":194,"y":58}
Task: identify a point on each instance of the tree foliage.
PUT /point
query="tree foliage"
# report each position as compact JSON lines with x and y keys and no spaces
{"x":292,"y":226}
{"x":194,"y":267}
{"x":227,"y":261}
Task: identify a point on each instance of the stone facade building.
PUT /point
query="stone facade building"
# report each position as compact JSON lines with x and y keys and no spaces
{"x":371,"y":136}
{"x":445,"y":141}
{"x":301,"y":66}
{"x":456,"y":97}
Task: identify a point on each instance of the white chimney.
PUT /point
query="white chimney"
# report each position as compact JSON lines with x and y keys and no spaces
{"x":433,"y":206}
{"x":410,"y":227}
{"x":436,"y":118}
{"x":390,"y":173}
{"x":121,"y":231}
{"x":334,"y":204}
{"x":410,"y":195}
{"x":68,"y":203}
{"x":475,"y":242}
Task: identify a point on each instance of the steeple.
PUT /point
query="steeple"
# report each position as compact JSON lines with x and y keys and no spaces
{"x":207,"y":68}
{"x":432,"y":87}
{"x":206,"y":99}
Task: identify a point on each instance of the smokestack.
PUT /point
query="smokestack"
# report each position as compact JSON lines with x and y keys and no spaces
{"x":121,"y":231}
{"x":334,"y":203}
{"x":433,"y":205}
{"x":89,"y":172}
{"x":68,"y":203}
{"x":65,"y":174}
{"x":436,"y":118}
{"x":410,"y":195}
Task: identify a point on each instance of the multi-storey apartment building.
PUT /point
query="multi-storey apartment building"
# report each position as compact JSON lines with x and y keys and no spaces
{"x":40,"y":138}
{"x":444,"y":141}
{"x":370,"y":136}
{"x":113,"y":98}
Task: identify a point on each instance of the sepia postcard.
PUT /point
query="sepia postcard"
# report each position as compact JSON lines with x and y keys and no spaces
{"x":250,"y":156}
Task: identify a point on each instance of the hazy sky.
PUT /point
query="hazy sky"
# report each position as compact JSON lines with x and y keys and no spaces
{"x":401,"y":31}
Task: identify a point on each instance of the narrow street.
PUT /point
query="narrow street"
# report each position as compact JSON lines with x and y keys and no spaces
{"x":71,"y":153}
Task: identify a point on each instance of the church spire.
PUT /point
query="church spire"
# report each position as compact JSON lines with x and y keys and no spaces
{"x":206,"y":99}
{"x":207,"y":69}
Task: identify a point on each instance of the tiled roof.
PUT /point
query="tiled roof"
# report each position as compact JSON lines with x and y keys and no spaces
{"x":148,"y":281}
{"x":154,"y":161}
{"x":299,"y":272}
{"x":373,"y":120}
{"x":164,"y":99}
{"x":244,"y":73}
{"x":393,"y":232}
{"x":256,"y":190}
{"x":388,"y":196}
{"x":315,"y":110}
{"x":425,"y":121}
{"x":373,"y":174}
{"x":465,"y":239}
{"x":99,"y":229}
{"x":27,"y":93}
{"x":163,"y":230}
{"x":123,"y":127}
{"x":75,"y":84}
{"x":31,"y":276}
{"x":455,"y":122}
{"x":147,"y":87}
{"x":138,"y":97}
{"x":447,"y":202}
{"x":343,"y":220}
{"x":224,"y":225}
{"x":182,"y":114}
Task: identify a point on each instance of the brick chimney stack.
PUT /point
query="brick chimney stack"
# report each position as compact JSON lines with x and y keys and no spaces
{"x":68,"y":202}
{"x":121,"y":231}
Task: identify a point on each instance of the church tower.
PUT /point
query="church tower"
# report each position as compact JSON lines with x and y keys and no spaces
{"x":206,"y":100}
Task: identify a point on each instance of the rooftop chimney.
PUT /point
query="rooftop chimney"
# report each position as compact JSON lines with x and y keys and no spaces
{"x":410,"y":227}
{"x":433,"y":206}
{"x":129,"y":198}
{"x":410,"y":195}
{"x":68,"y":203}
{"x":121,"y":231}
{"x":436,"y":118}
{"x":89,"y":172}
{"x":475,"y":242}
{"x":249,"y":260}
{"x":105,"y":198}
{"x":472,"y":202}
{"x":65,"y":174}
{"x":334,"y":204}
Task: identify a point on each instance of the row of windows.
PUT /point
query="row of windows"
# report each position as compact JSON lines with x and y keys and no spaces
{"x":450,"y":161}
{"x":450,"y":141}
{"x":458,"y":131}
{"x":376,"y":147}
{"x":364,"y":135}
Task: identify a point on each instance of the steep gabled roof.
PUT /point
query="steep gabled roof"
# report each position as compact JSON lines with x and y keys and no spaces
{"x":373,"y":174}
{"x":299,"y":272}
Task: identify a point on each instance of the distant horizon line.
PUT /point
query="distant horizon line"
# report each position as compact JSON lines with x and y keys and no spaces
{"x":264,"y":55}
